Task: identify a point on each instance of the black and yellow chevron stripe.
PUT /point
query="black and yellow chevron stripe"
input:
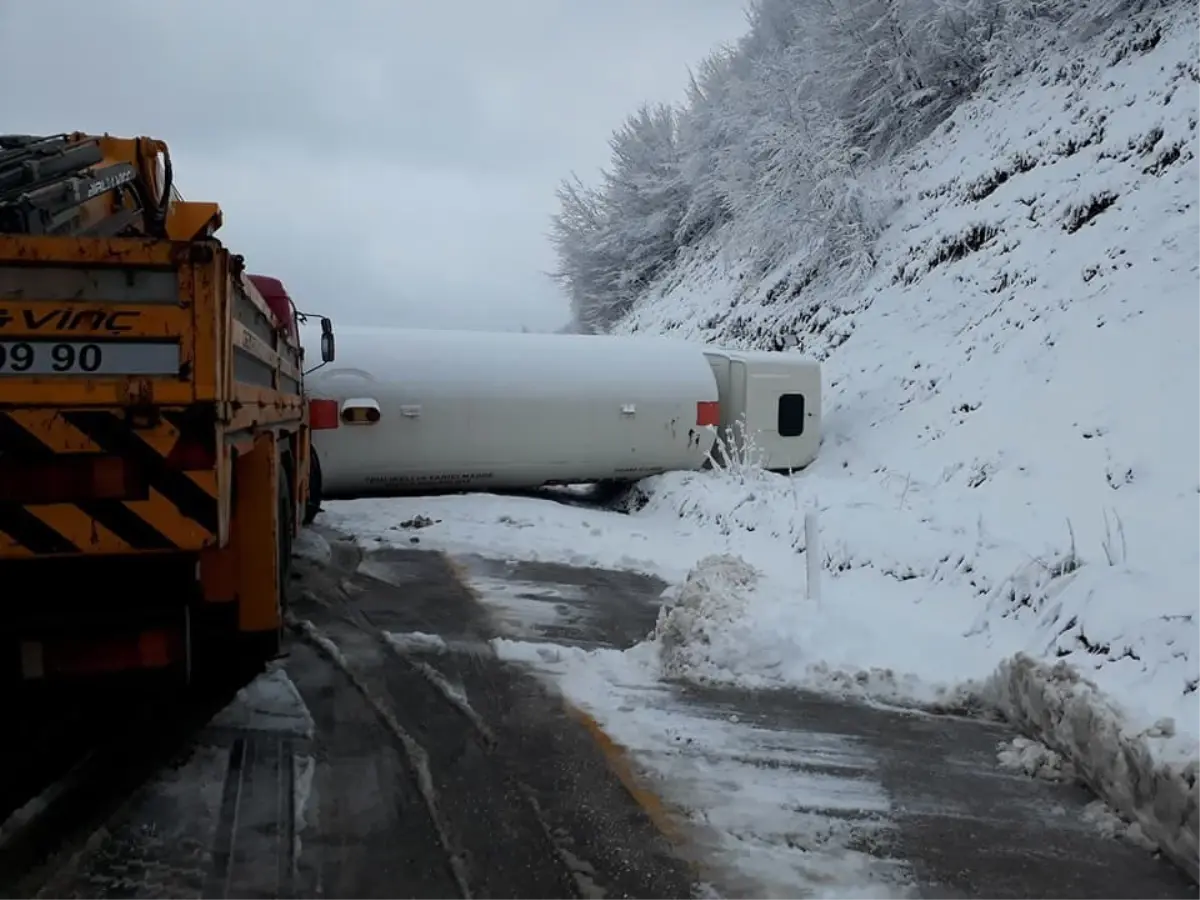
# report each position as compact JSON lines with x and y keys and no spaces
{"x":181,"y":509}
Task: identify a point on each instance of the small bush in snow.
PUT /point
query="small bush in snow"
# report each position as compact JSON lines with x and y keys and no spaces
{"x":1113,"y":543}
{"x":737,"y":452}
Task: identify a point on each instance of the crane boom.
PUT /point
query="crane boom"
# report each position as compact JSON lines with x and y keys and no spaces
{"x":82,"y":185}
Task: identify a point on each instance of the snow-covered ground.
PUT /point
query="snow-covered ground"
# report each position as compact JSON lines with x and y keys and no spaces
{"x":1011,"y":461}
{"x":775,"y":813}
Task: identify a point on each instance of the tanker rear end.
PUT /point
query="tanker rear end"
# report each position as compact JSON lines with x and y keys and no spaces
{"x":425,"y":411}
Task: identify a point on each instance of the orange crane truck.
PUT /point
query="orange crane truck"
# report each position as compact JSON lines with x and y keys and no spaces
{"x":154,"y":430}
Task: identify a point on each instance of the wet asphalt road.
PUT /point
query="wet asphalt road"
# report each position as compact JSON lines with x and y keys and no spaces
{"x":957,"y":825}
{"x":373,"y":770}
{"x":374,"y":779}
{"x":523,"y":798}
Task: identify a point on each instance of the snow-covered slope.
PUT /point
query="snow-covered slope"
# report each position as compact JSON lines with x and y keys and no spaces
{"x":1012,"y":404}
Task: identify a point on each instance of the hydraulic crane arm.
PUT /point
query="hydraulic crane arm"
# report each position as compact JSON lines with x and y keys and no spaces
{"x":86,"y":186}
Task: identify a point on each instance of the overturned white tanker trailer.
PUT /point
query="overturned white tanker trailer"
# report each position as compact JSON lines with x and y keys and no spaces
{"x":424,"y":410}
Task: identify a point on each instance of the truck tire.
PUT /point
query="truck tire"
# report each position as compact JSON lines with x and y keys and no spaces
{"x":313,"y":504}
{"x":285,"y":537}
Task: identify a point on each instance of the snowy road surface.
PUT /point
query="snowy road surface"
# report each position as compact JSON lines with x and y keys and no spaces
{"x":788,"y":793}
{"x":415,"y":743}
{"x":219,"y":821}
{"x":352,"y":770}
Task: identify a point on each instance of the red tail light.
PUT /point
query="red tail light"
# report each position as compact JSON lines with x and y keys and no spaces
{"x":323,"y":414}
{"x":70,"y":478}
{"x":191,"y":454}
{"x":708,"y":412}
{"x":154,"y":649}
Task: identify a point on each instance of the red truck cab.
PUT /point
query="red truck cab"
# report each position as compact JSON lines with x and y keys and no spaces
{"x":278,"y":301}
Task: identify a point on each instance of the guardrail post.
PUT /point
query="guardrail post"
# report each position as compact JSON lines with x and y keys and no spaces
{"x":812,"y":556}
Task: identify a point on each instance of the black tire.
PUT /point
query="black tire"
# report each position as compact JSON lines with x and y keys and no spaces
{"x":285,"y":537}
{"x":610,"y":491}
{"x":313,"y":504}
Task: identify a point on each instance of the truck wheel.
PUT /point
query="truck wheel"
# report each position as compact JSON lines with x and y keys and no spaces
{"x":313,"y":504}
{"x":285,"y":537}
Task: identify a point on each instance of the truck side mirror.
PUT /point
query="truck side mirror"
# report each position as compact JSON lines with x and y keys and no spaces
{"x":327,"y":343}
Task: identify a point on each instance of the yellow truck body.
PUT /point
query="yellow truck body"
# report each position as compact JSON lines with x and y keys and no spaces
{"x":154,"y":445}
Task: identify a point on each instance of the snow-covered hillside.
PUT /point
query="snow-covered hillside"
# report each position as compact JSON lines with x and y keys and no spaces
{"x":1012,"y":405}
{"x":1012,"y":398}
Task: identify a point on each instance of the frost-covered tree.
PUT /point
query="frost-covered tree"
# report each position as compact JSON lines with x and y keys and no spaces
{"x":894,"y":68}
{"x":705,"y":129}
{"x":777,"y":136}
{"x":614,"y":240}
{"x":645,"y":195}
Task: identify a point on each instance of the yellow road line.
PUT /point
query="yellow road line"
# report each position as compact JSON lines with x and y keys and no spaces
{"x":617,"y":757}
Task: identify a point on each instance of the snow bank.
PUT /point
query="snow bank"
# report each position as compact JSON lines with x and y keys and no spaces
{"x":732,"y":623}
{"x":897,"y":624}
{"x":1135,"y":772}
{"x":709,"y":614}
{"x":310,"y":545}
{"x":1035,"y":759}
{"x":271,"y":702}
{"x":1110,"y":824}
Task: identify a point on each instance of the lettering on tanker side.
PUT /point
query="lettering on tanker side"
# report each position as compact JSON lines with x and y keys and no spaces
{"x":450,"y":478}
{"x":63,"y":319}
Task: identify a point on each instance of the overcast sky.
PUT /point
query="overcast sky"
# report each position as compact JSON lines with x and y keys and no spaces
{"x":393,"y":161}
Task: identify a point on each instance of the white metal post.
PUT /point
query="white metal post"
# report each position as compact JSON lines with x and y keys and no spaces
{"x":812,"y":556}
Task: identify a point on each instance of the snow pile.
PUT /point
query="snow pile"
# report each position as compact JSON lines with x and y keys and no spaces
{"x":709,"y":612}
{"x":1033,"y":758}
{"x":1108,"y":823}
{"x":271,"y":702}
{"x":417,"y":642}
{"x":734,"y":624}
{"x":893,"y":613}
{"x":1145,"y":777}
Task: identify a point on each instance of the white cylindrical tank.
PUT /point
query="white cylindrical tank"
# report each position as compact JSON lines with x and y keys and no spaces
{"x":424,"y":410}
